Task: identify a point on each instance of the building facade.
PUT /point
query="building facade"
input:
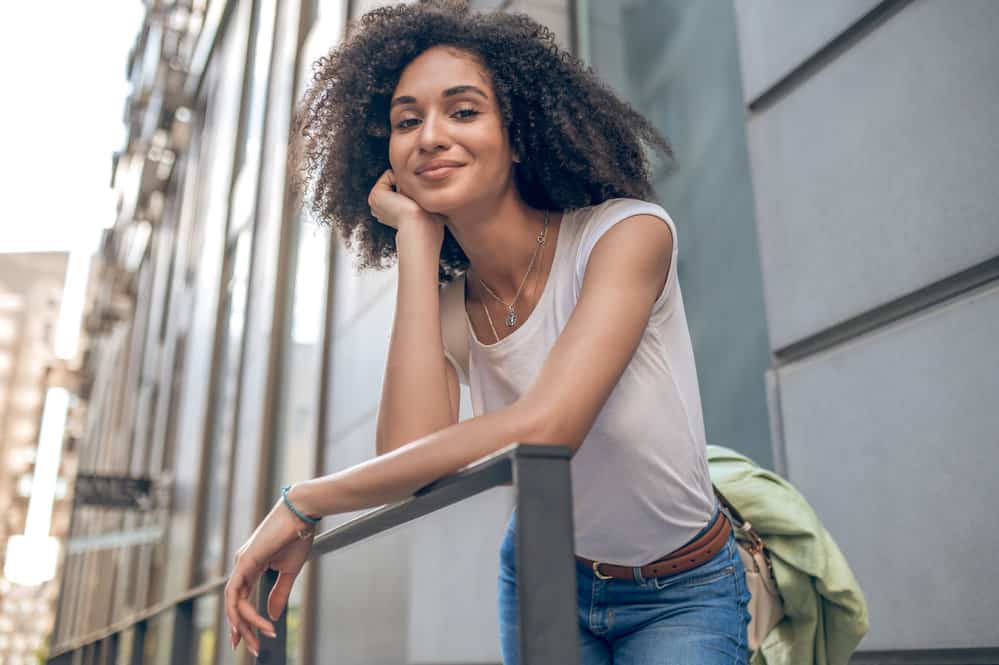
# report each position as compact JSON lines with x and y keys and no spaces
{"x":30,"y":295}
{"x":838,"y":251}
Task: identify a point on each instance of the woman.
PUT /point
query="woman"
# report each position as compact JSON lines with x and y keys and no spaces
{"x":460,"y":143}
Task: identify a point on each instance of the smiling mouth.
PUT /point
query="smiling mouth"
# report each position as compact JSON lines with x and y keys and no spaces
{"x":438,"y":172}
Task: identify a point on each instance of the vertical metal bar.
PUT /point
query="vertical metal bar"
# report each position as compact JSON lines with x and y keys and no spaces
{"x":546,"y":571}
{"x":58,"y":626}
{"x":139,"y":643}
{"x":272,"y":652}
{"x":87,"y":654}
{"x":580,"y":23}
{"x":183,"y":642}
{"x":111,"y":649}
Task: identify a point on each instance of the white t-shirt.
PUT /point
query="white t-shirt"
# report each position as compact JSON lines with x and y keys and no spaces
{"x":640,"y":479}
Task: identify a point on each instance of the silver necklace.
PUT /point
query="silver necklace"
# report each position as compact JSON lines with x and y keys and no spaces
{"x":511,"y":313}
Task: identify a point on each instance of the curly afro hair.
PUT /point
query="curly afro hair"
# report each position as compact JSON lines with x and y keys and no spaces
{"x":579,"y":144}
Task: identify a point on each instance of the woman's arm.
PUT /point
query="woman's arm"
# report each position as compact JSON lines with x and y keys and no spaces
{"x":420,"y":388}
{"x":625,"y":274}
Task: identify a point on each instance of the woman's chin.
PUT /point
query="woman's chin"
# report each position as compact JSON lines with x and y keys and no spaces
{"x":440,"y":203}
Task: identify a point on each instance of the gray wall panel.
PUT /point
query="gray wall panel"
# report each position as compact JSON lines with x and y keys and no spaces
{"x":775,"y":36}
{"x":362,"y":610}
{"x":354,"y":293}
{"x":894,"y":439}
{"x":423,"y":593}
{"x":453,"y":616}
{"x":877,"y":176}
{"x":358,"y":366}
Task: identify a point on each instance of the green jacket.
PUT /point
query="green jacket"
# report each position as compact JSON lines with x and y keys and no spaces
{"x":825,"y":615}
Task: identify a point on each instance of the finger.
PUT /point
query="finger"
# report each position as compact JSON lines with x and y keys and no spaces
{"x":249,"y":639}
{"x":385,"y":181}
{"x":231,"y":596}
{"x":249,"y":615}
{"x":278,"y":597}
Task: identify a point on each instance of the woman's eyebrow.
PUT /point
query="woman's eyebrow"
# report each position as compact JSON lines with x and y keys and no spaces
{"x":450,"y":92}
{"x":458,"y":89}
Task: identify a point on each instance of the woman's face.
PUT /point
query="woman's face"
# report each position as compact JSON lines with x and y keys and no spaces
{"x":448,"y":146}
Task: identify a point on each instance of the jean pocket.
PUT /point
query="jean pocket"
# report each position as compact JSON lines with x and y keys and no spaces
{"x":695,"y":577}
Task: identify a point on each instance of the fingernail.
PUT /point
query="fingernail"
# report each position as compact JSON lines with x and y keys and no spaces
{"x":273,"y":636}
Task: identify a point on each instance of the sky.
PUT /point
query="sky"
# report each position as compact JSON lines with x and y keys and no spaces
{"x":62,"y":71}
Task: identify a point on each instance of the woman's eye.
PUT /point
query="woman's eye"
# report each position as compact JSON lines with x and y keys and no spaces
{"x":461,"y":114}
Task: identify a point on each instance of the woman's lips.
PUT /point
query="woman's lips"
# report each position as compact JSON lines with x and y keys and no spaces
{"x":438,"y":173}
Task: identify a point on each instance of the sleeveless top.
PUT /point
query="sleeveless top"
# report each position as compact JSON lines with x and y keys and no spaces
{"x":640,"y":480}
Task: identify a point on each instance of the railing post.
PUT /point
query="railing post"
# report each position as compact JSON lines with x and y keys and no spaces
{"x":272,"y":651}
{"x":182,"y":645}
{"x":139,"y":643}
{"x":87,"y":654}
{"x":109,"y":650}
{"x":546,"y":570}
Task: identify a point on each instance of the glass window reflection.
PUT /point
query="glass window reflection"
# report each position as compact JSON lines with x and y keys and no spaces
{"x":224,"y":415}
{"x":298,"y":411}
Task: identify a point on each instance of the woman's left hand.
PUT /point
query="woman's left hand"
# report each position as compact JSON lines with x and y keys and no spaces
{"x":274,"y":544}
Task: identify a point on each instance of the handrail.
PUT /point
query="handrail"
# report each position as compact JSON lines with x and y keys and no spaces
{"x":540,"y":475}
{"x":139,"y":617}
{"x":487,"y":473}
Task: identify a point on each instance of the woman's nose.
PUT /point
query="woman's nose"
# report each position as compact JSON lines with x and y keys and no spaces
{"x":433,"y":134}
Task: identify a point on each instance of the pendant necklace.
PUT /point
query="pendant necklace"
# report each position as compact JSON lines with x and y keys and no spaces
{"x":511,"y":313}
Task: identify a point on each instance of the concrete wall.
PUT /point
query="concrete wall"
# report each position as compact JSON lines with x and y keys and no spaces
{"x":874,"y":149}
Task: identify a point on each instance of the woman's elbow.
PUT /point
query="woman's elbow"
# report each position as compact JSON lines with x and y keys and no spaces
{"x":542,"y":425}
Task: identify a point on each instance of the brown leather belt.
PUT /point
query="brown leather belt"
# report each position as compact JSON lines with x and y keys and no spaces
{"x":689,"y":556}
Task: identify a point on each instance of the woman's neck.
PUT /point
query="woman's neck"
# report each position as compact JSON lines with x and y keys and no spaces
{"x":500,"y":243}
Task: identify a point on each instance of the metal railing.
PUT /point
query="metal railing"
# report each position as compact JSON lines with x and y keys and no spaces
{"x":546,"y":577}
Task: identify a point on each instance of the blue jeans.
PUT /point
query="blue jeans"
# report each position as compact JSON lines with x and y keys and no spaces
{"x":697,"y":617}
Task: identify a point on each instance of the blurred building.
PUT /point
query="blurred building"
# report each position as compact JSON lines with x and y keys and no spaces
{"x":30,"y":294}
{"x":839,"y":255}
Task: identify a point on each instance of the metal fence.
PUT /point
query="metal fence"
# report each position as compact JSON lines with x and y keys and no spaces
{"x":546,"y":581}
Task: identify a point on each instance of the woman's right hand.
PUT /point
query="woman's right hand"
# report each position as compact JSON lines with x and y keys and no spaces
{"x":390,"y":206}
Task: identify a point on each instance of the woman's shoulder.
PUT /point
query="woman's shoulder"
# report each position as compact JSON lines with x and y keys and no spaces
{"x":592,"y":222}
{"x":616,"y":209}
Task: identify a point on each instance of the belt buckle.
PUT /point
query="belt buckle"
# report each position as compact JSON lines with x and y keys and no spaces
{"x":596,"y":571}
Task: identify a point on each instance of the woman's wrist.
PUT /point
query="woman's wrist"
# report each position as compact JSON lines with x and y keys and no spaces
{"x":420,"y":235}
{"x":300,"y":496}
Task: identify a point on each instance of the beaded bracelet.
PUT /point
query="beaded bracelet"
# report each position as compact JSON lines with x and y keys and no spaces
{"x":311,"y":521}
